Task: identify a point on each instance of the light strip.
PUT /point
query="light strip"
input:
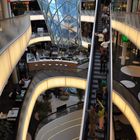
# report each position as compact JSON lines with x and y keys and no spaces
{"x":77,"y":138}
{"x":123,"y":28}
{"x":67,"y":122}
{"x":39,"y":39}
{"x":78,"y":125}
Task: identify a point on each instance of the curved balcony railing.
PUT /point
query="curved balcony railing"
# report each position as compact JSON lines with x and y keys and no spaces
{"x":40,"y":34}
{"x":131,"y":19}
{"x":127,"y":95}
{"x":88,"y":12}
{"x":39,"y":12}
{"x":56,"y":115}
{"x":11,"y":29}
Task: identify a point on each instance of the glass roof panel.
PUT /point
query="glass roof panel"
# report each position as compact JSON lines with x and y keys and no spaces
{"x":63,"y":20}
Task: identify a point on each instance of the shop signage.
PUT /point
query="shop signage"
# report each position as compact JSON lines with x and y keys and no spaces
{"x":124,"y":38}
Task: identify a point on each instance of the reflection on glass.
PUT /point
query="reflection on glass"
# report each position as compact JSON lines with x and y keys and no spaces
{"x":63,"y":20}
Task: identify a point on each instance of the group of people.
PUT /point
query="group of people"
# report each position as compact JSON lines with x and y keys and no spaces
{"x":103,"y":39}
{"x":97,"y":114}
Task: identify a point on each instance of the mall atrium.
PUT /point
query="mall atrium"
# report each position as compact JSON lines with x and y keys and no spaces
{"x":69,"y":70}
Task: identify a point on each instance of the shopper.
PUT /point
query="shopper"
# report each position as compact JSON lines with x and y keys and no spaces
{"x":93,"y":117}
{"x":101,"y":114}
{"x":100,"y":38}
{"x":105,"y":44}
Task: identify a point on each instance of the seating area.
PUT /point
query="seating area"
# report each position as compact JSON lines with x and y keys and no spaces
{"x":10,"y":105}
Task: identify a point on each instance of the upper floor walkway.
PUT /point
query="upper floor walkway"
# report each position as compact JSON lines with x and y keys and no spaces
{"x":126,"y":23}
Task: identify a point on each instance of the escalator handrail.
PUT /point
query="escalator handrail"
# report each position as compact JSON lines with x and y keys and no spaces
{"x":109,"y":85}
{"x":86,"y":103}
{"x":108,"y":135}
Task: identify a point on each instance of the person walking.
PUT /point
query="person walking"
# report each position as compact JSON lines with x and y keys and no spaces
{"x":100,"y":38}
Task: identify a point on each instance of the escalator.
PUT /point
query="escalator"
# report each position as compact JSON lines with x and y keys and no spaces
{"x":99,"y":76}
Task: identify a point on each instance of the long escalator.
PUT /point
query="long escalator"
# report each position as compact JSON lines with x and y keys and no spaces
{"x":97,"y":117}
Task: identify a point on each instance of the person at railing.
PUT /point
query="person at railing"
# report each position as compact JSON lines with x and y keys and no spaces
{"x":104,"y":18}
{"x":93,"y":118}
{"x":100,"y":38}
{"x":101,"y":115}
{"x":106,"y":32}
{"x":104,"y":96}
{"x":37,"y":55}
{"x":105,"y":44}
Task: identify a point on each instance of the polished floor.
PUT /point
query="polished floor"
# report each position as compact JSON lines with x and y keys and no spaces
{"x":132,"y":83}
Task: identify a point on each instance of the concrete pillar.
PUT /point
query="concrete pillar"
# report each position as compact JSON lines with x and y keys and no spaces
{"x":5,"y":9}
{"x":15,"y":76}
{"x":129,"y":5}
{"x":124,"y":52}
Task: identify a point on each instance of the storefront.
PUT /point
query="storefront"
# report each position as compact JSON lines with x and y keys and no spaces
{"x":119,"y":5}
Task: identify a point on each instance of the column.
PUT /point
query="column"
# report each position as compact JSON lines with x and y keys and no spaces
{"x":129,"y":5}
{"x":15,"y":76}
{"x":5,"y":9}
{"x":134,"y":5}
{"x":124,"y":52}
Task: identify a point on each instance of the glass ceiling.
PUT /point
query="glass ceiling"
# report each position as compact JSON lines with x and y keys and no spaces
{"x":63,"y":21}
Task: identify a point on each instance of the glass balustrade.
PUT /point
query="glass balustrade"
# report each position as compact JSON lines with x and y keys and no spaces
{"x":63,"y":21}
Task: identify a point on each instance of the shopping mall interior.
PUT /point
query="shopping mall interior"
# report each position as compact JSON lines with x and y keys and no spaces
{"x":69,"y":69}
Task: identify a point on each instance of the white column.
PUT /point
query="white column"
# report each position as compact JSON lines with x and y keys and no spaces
{"x":15,"y":76}
{"x":124,"y":52}
{"x":5,"y":9}
{"x":129,"y":4}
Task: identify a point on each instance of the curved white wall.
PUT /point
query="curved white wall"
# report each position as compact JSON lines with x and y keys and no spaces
{"x":10,"y":57}
{"x":65,"y":81}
